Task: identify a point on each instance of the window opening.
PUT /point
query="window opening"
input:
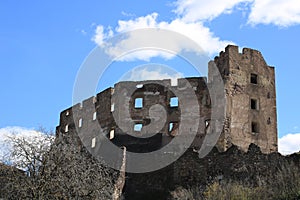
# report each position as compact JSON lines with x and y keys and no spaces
{"x":253,"y":78}
{"x":174,"y":102}
{"x":138,"y":103}
{"x":138,"y":127}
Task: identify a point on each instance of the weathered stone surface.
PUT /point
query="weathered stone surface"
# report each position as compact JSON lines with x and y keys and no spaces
{"x":250,"y":108}
{"x":249,"y":168}
{"x":250,"y":119}
{"x":236,"y":69}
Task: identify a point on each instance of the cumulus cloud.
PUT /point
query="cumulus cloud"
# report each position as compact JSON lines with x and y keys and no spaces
{"x":191,"y":15}
{"x":281,"y":13}
{"x":152,"y":72}
{"x":101,"y":35}
{"x":201,"y":10}
{"x":289,"y":144}
{"x":148,"y":21}
{"x":200,"y":37}
{"x":278,"y":12}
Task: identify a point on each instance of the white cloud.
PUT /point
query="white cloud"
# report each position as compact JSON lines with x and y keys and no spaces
{"x":101,"y":35}
{"x":152,"y":72}
{"x":278,"y":12}
{"x":281,"y":13}
{"x":148,"y":21}
{"x":201,"y":10}
{"x":289,"y":144}
{"x":200,"y":34}
{"x":191,"y":14}
{"x":203,"y":39}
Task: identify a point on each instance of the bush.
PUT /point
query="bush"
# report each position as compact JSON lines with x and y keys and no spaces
{"x":233,"y":191}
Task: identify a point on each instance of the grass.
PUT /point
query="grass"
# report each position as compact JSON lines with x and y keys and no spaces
{"x":283,"y":185}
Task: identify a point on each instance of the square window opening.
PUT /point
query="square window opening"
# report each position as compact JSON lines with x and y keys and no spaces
{"x":253,"y":78}
{"x":138,"y":103}
{"x":254,"y":127}
{"x":254,"y":104}
{"x":138,"y":127}
{"x":139,"y":86}
{"x":174,"y":102}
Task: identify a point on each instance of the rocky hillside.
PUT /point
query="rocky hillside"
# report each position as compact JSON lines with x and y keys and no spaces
{"x":233,"y":174}
{"x":193,"y":178}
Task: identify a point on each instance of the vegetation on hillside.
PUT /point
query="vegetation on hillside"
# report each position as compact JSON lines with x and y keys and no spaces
{"x":284,"y":185}
{"x":61,"y":168}
{"x":55,"y":170}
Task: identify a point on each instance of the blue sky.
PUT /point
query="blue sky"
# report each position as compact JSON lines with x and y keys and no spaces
{"x":43,"y":44}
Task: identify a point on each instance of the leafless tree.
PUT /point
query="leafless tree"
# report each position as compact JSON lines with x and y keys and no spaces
{"x":56,"y":169}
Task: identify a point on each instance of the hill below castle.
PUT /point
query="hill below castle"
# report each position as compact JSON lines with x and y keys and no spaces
{"x":233,"y":174}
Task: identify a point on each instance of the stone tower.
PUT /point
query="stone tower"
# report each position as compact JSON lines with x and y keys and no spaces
{"x":250,"y":100}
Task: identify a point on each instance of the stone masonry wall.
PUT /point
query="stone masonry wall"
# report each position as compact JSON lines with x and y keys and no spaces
{"x":251,"y":100}
{"x":113,"y":113}
{"x":250,"y":108}
{"x":114,"y":110}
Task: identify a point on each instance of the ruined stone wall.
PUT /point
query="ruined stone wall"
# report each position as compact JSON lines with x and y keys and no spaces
{"x":251,"y":168}
{"x":250,"y":100}
{"x":114,"y":113}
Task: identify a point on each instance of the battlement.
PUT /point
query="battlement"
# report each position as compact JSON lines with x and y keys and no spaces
{"x":234,"y":50}
{"x":198,"y":83}
{"x":129,"y":105}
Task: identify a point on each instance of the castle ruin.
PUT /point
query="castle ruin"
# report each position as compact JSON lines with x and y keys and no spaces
{"x":250,"y":116}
